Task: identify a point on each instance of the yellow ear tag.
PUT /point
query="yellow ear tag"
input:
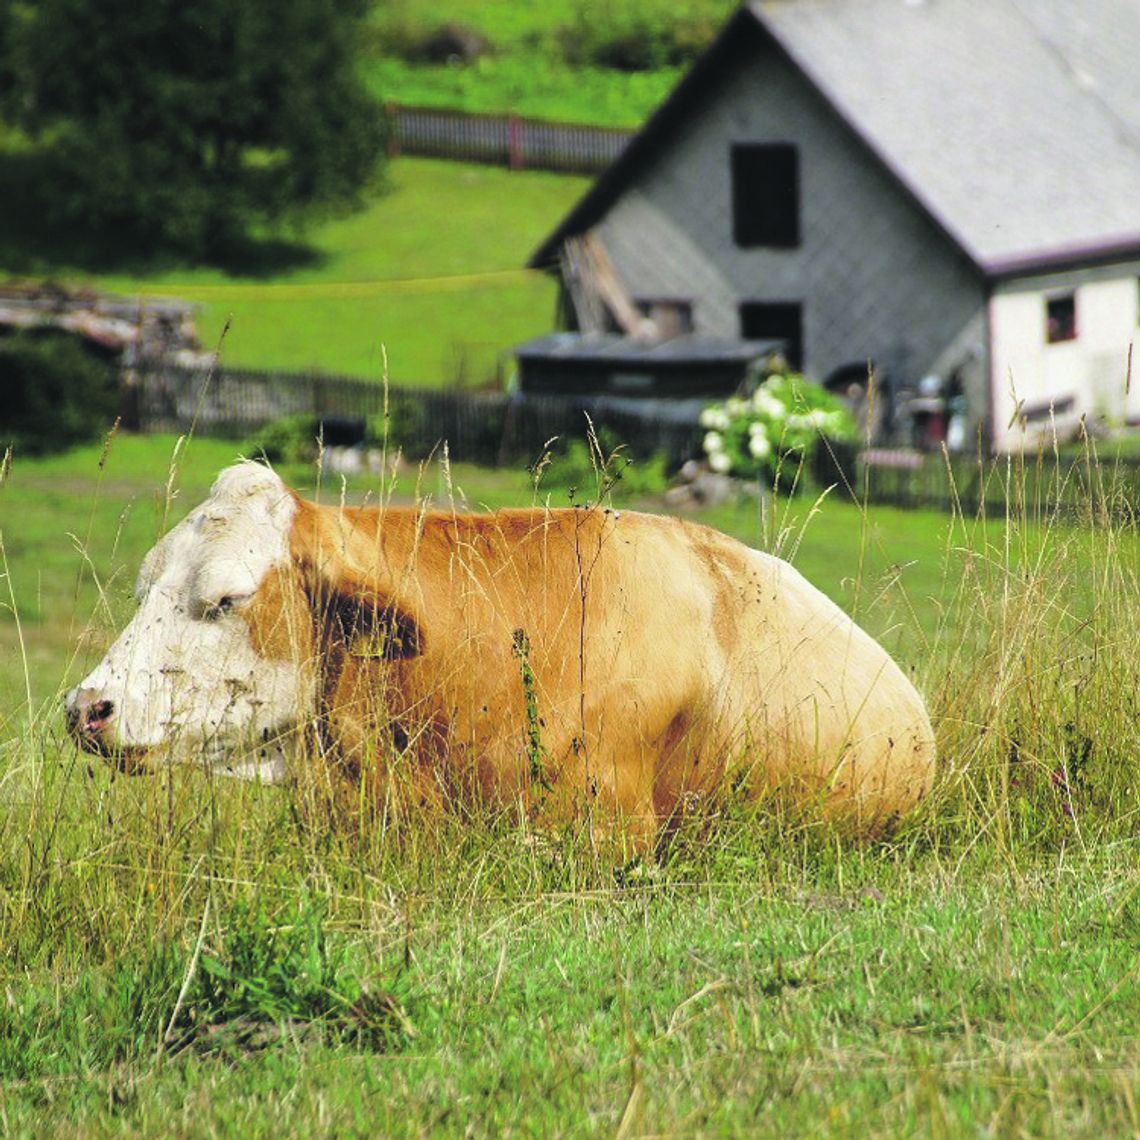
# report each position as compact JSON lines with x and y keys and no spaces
{"x":368,"y":644}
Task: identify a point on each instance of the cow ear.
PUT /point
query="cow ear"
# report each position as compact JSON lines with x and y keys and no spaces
{"x":351,"y":598}
{"x":370,"y":626}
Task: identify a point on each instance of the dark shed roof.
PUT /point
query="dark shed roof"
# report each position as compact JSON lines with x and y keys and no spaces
{"x":613,"y":348}
{"x":1014,"y":124}
{"x":577,"y":364}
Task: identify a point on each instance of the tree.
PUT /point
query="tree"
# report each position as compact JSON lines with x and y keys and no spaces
{"x":186,"y":123}
{"x":58,"y":391}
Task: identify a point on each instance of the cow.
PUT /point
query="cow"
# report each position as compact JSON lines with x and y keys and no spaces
{"x":561,"y":660}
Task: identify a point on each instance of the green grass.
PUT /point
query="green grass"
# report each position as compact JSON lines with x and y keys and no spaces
{"x":592,"y":95}
{"x":197,"y":956}
{"x":526,"y":70}
{"x":430,"y":271}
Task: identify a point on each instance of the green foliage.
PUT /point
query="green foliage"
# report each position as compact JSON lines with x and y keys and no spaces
{"x":779,"y":425}
{"x":186,"y":124}
{"x":634,"y":37}
{"x":289,"y":439}
{"x":401,"y":429}
{"x":56,"y":392}
{"x":283,"y":968}
{"x":268,"y":973}
{"x":537,"y":754}
{"x":602,"y":466}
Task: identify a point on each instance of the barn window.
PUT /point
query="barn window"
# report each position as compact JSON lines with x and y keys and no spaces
{"x":1061,"y":318}
{"x":672,"y":317}
{"x":766,"y":195}
{"x":775,"y":320}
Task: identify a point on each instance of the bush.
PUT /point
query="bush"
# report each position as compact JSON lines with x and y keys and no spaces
{"x":776,"y":429}
{"x":404,"y":429}
{"x":625,"y":37}
{"x":419,"y":42}
{"x":56,"y":392}
{"x":190,"y":126}
{"x":290,"y":439}
{"x":604,"y":466}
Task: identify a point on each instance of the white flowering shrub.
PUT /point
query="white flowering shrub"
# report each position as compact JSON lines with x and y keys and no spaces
{"x":781,"y":423}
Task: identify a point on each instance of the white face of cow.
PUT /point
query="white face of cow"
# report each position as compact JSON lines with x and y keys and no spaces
{"x":187,"y":675}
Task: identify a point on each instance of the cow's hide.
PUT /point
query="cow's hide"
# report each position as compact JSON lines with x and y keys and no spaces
{"x":557,"y":658}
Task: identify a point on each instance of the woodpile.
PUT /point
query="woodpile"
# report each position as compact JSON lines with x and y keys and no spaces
{"x":139,"y":330}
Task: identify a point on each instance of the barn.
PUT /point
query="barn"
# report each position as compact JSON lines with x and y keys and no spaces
{"x":948,"y":190}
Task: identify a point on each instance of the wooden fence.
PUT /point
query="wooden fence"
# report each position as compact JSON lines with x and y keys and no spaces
{"x":479,"y":427}
{"x":494,"y":428}
{"x":1029,"y":486}
{"x":504,"y":140}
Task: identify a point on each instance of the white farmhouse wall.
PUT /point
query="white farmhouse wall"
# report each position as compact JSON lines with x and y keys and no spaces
{"x":1091,"y":370}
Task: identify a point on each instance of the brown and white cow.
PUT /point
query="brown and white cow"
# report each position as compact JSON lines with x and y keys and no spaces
{"x":555,"y":656}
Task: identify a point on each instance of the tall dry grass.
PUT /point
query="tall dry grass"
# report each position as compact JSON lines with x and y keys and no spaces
{"x":1028,"y":664}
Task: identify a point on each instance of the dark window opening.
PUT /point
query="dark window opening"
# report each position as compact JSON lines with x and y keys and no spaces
{"x":766,"y":195}
{"x":1061,"y":318}
{"x":780,"y":320}
{"x":671,"y":317}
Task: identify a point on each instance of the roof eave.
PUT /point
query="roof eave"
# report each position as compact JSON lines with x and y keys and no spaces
{"x":1063,"y":257}
{"x":596,"y":201}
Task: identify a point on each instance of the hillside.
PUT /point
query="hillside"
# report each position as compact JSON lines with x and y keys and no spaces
{"x":430,"y":270}
{"x":576,"y":60}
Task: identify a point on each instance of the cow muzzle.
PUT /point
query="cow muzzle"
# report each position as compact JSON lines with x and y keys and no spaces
{"x":89,"y":719}
{"x":91,"y":723}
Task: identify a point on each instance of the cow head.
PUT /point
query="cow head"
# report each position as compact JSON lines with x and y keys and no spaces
{"x":254,"y":612}
{"x":217,"y":660}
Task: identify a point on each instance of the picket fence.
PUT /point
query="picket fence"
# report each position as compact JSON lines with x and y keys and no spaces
{"x":504,"y":140}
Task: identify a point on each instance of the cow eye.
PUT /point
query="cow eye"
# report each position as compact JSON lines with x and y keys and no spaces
{"x":211,"y":611}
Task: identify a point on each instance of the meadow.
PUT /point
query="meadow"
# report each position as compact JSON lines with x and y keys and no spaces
{"x":190,"y":956}
{"x":582,"y":61}
{"x":429,"y":271}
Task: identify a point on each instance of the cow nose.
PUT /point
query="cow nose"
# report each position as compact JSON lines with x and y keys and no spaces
{"x":88,"y":715}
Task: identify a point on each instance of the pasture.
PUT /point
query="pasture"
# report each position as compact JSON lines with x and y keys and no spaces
{"x":544,"y":61}
{"x":429,"y":270}
{"x":193,"y":956}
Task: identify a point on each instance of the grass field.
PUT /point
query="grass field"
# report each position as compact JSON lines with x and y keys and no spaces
{"x":527,"y":69}
{"x":430,"y":270}
{"x":192,"y":956}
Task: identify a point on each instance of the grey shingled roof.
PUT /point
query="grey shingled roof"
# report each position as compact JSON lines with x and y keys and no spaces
{"x":1014,"y":123}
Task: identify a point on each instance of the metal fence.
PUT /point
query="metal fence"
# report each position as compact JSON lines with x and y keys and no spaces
{"x":505,"y":140}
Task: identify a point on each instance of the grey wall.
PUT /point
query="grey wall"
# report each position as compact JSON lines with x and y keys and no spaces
{"x":876,"y":278}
